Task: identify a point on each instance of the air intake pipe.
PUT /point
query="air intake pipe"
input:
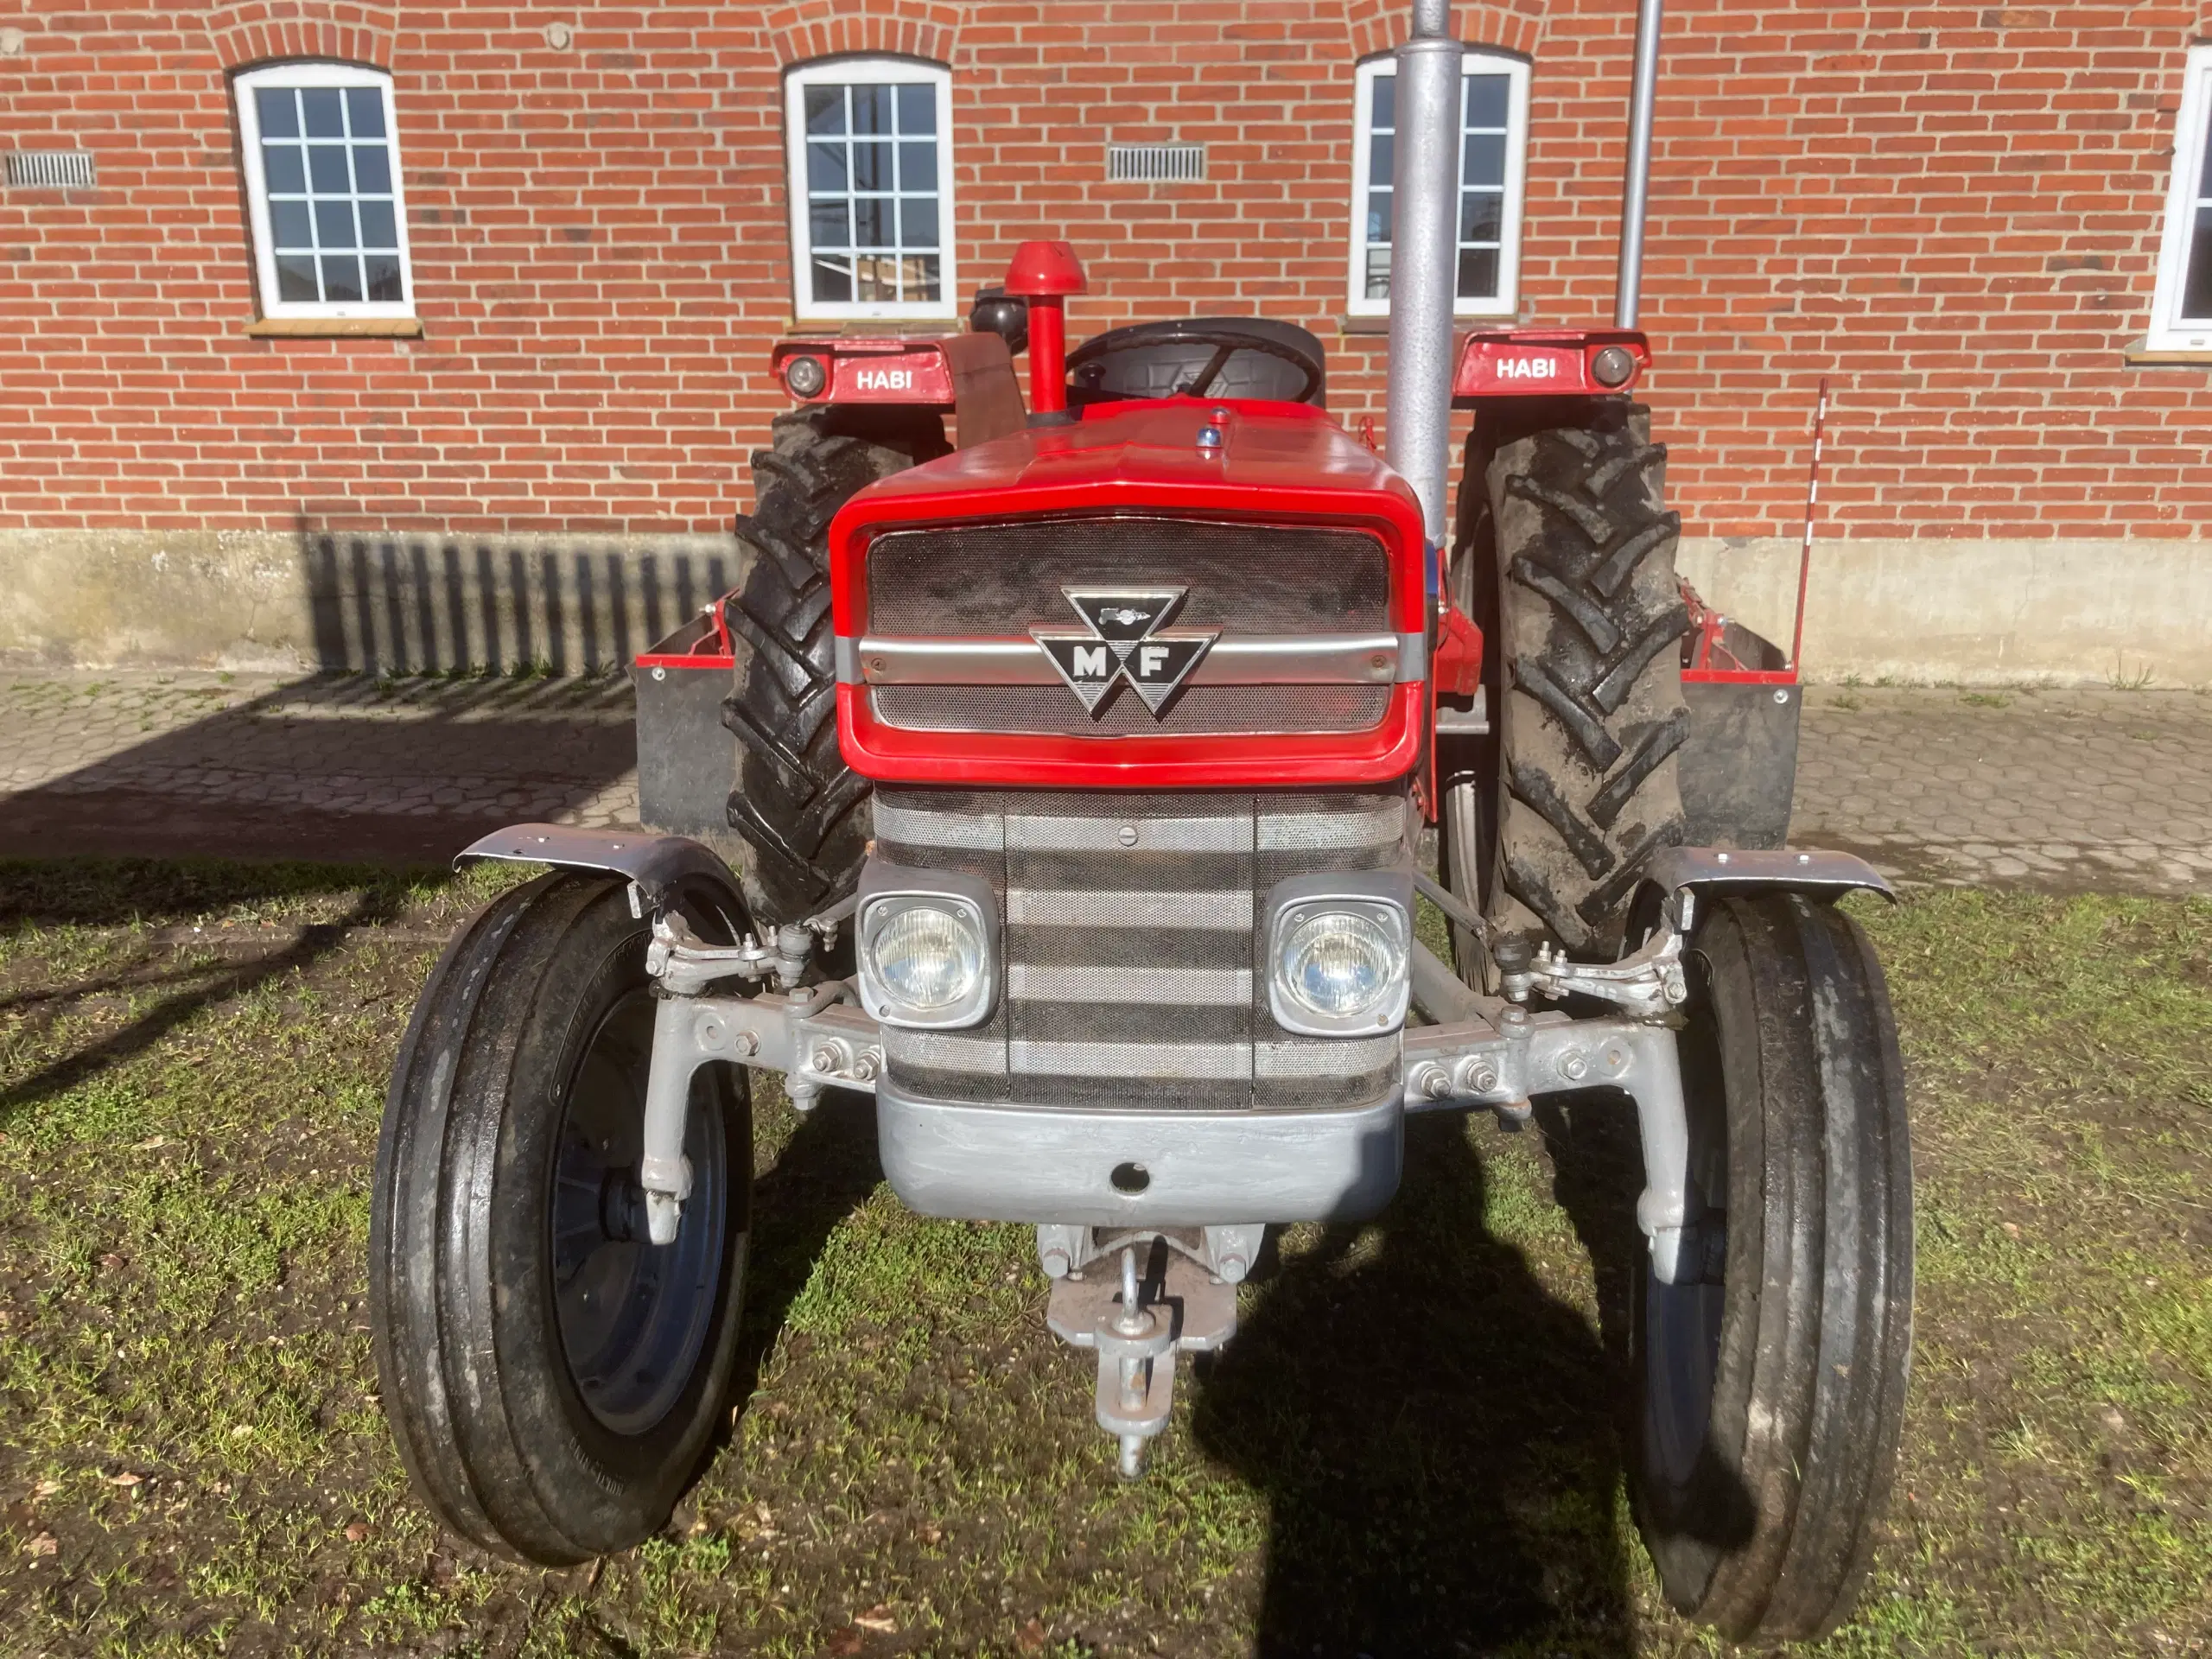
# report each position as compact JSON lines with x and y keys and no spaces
{"x":1424,"y":258}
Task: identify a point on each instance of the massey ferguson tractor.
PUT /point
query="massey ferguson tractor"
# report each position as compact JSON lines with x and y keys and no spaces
{"x":1084,"y":752}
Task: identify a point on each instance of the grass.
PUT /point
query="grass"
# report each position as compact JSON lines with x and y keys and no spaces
{"x":1410,"y":1448}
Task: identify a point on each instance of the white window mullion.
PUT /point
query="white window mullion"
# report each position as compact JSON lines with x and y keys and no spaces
{"x":870,"y":159}
{"x":2181,"y":310}
{"x":327,"y":210}
{"x":1492,"y":146}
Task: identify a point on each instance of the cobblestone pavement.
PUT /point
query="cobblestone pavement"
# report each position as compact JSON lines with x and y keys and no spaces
{"x":2063,"y":789}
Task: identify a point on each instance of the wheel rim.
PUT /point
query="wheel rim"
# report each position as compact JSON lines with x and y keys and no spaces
{"x":1682,"y":1357}
{"x":633,"y":1317}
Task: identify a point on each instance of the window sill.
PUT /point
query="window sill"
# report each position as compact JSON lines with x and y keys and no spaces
{"x":334,"y":329}
{"x":2137,"y":353}
{"x":1461,"y":322}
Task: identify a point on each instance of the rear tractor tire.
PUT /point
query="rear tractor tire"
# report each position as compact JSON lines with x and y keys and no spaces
{"x":1769,"y":1396}
{"x":1573,"y":541}
{"x":552,"y":1376}
{"x":801,"y":810}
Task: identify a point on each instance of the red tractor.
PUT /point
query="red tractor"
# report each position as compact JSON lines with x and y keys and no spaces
{"x":1081,"y":765}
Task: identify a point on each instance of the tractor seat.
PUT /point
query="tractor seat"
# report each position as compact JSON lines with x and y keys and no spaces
{"x":1203,"y":357}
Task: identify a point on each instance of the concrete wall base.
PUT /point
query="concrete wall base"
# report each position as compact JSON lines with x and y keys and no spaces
{"x":1976,"y":613}
{"x":2065,"y":612}
{"x":394,"y":603}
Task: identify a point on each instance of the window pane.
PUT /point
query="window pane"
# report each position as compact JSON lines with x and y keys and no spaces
{"x":2204,"y":185}
{"x":285,"y":169}
{"x":825,"y":167}
{"x":827,"y":225}
{"x":1380,"y":156}
{"x":922,"y":278}
{"x":295,"y":279}
{"x":1378,"y":273}
{"x":379,"y":227}
{"x":341,"y":277}
{"x":916,"y":109}
{"x":1482,"y":216}
{"x":875,"y":278}
{"x":326,"y":167}
{"x":872,"y":110}
{"x":871,"y":167}
{"x":333,"y":224}
{"x":871,"y":222}
{"x":825,"y":109}
{"x":918,"y":167}
{"x":917,"y":222}
{"x":324,"y":109}
{"x":1379,"y":215}
{"x":1487,"y":100}
{"x":1478,"y":273}
{"x":372,"y":169}
{"x":287,"y":225}
{"x":833,"y":281}
{"x":2196,"y":286}
{"x":365,"y":111}
{"x":1484,"y":161}
{"x":280,"y":115}
{"x":1384,"y":110}
{"x":384,"y":278}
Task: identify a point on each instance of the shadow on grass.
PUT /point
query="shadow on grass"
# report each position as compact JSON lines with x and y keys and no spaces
{"x":1436,"y":1434}
{"x":37,"y":894}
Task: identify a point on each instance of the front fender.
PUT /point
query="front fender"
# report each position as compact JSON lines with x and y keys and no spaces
{"x":659,"y":864}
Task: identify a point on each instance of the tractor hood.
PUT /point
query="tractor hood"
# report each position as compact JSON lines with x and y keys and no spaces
{"x":1287,"y":461}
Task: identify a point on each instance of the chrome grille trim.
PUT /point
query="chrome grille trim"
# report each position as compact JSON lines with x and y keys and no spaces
{"x":1233,"y":659}
{"x":1210,"y":986}
{"x":1067,"y":835}
{"x":1025,"y":907}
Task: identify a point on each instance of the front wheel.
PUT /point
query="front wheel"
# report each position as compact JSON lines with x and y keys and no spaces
{"x":551,"y":1376}
{"x":1771,"y":1396}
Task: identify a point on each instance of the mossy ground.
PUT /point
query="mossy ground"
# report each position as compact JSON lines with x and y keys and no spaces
{"x":1410,"y":1449}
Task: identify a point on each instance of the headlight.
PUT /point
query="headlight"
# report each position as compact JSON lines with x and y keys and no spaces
{"x":925,"y":960}
{"x":1339,"y":967}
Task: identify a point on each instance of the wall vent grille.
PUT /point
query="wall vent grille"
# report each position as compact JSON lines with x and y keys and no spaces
{"x":50,"y":170}
{"x":1155,"y":163}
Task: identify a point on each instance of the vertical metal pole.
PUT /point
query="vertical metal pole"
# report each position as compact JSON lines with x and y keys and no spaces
{"x":1812,"y":509}
{"x":1627,"y":289}
{"x":1424,"y":259}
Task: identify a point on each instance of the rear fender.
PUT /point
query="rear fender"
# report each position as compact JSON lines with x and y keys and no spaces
{"x":971,"y":375}
{"x":1542,"y":363}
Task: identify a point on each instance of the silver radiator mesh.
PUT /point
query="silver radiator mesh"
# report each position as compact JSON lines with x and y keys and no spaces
{"x":1133,"y":970}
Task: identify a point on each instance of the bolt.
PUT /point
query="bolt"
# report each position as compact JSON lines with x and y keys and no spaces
{"x":660,"y":673}
{"x":865,"y":1065}
{"x":711,"y":1034}
{"x":1431,"y":1081}
{"x":825,"y":1059}
{"x":1615,"y":1060}
{"x":1781,"y":696}
{"x":1056,"y":1263}
{"x":1127,"y":835}
{"x":1572,"y":1066}
{"x":746,"y":1043}
{"x":1131,"y":1321}
{"x":1208,"y":437}
{"x":1233,"y":1268}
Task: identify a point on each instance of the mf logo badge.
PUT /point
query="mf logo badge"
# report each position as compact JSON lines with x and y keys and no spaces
{"x":1128,"y":640}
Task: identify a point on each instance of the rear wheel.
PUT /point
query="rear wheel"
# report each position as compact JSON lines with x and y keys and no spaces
{"x":1771,"y":1396}
{"x":802,"y":811}
{"x":1573,"y":553}
{"x":552,"y":1376}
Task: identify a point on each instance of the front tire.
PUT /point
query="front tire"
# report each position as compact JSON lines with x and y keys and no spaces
{"x":1771,"y":1397}
{"x":551,"y":1377}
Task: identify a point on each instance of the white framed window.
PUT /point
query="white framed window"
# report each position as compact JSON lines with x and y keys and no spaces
{"x":329,"y":219}
{"x":869,"y":143}
{"x":1493,"y":160}
{"x":2181,"y":312}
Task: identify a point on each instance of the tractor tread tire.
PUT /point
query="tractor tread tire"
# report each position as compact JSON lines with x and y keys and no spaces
{"x":1592,"y":712}
{"x":1797,"y":1096}
{"x":801,"y":813}
{"x":491,"y":1423}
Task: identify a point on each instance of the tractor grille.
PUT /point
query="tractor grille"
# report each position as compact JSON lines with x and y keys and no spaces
{"x":1132,"y":973}
{"x":1005,"y":579}
{"x":1237,"y":709}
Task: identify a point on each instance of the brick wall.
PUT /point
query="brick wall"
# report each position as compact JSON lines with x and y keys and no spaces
{"x":1953,"y":210}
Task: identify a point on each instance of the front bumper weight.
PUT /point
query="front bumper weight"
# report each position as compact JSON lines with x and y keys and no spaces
{"x":1137,"y":1323}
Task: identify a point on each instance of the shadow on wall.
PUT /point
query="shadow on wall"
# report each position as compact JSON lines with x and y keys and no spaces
{"x":562,"y":605}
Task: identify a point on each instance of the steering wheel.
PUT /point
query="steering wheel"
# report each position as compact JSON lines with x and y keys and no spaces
{"x":1227,"y":341}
